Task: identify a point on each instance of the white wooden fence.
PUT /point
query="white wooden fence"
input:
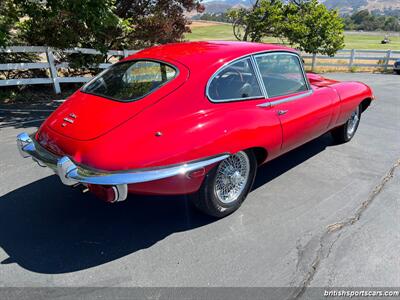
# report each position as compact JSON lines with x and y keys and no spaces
{"x":50,"y":65}
{"x":344,"y":58}
{"x":384,"y":59}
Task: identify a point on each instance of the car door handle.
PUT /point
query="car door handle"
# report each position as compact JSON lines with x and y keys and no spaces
{"x":281,"y":112}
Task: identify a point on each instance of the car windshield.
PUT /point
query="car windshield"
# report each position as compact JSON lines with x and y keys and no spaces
{"x":131,"y":80}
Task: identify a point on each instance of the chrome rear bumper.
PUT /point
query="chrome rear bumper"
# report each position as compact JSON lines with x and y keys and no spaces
{"x":72,"y":174}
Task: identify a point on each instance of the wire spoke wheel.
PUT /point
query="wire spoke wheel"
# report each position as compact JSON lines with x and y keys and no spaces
{"x":227,"y":185}
{"x":353,"y":122}
{"x":231,"y":177}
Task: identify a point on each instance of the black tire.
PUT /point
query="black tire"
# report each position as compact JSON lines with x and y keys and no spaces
{"x":398,"y":72}
{"x":206,"y":199}
{"x":342,"y":133}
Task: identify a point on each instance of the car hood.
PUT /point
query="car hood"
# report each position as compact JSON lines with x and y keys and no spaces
{"x":85,"y":116}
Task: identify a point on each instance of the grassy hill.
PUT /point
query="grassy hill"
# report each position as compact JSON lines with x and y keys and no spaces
{"x":349,"y":6}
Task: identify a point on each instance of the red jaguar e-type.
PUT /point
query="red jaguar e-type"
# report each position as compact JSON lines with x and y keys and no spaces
{"x":192,"y":118}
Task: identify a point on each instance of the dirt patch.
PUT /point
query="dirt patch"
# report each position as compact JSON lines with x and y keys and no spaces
{"x":196,"y":24}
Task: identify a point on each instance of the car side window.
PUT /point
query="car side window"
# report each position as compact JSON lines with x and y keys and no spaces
{"x":236,"y":81}
{"x":281,"y":73}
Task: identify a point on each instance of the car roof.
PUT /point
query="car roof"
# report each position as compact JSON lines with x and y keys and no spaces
{"x":206,"y":53}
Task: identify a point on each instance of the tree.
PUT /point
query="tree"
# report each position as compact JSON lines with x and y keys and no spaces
{"x":218,"y":17}
{"x":263,"y":19}
{"x":99,"y":24}
{"x":360,"y":16}
{"x":156,"y":22}
{"x":10,"y":14}
{"x":392,"y":24}
{"x":306,"y":24}
{"x":313,"y":28}
{"x":8,"y":20}
{"x":70,"y":23}
{"x":365,"y":20}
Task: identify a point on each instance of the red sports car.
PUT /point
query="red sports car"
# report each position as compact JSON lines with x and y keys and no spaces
{"x":192,"y":118}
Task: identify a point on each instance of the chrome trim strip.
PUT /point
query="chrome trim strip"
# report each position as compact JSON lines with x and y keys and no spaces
{"x":287,"y":99}
{"x":71,"y":173}
{"x":138,"y":176}
{"x":237,"y":99}
{"x":259,"y":77}
{"x":24,"y":144}
{"x":265,"y":104}
{"x":64,"y":166}
{"x":29,"y":148}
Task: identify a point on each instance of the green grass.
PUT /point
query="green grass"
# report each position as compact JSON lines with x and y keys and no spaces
{"x":220,"y":32}
{"x":369,"y":41}
{"x":214,"y":32}
{"x":352,"y":41}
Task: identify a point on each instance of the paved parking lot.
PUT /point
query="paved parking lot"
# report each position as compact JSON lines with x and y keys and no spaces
{"x":322,"y":215}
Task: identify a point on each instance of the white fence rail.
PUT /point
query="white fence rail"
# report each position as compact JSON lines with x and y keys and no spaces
{"x":51,"y":65}
{"x":384,"y":59}
{"x":350,"y":59}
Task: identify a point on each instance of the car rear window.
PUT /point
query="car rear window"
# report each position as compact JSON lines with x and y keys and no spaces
{"x":131,"y":80}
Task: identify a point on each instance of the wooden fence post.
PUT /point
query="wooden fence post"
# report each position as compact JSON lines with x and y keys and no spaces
{"x":53,"y":71}
{"x":352,"y":58}
{"x":387,"y":60}
{"x":314,"y":62}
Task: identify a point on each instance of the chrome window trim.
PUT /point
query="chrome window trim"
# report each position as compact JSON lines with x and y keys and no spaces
{"x":236,"y":60}
{"x":289,"y":98}
{"x":236,"y":99}
{"x":259,"y":77}
{"x":286,"y":53}
{"x":262,"y":86}
{"x":177,"y":73}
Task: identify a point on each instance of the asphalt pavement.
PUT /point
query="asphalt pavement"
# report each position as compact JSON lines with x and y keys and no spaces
{"x":321,"y":215}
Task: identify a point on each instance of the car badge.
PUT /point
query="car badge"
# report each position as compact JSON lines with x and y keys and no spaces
{"x":70,"y":119}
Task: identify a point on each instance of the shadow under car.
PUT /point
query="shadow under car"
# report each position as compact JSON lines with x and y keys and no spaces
{"x":50,"y":228}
